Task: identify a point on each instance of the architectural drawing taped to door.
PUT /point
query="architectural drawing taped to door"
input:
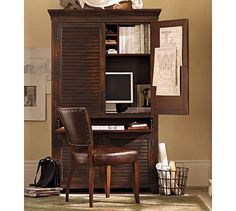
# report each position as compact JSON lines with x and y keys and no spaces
{"x":164,"y":73}
{"x":172,"y":37}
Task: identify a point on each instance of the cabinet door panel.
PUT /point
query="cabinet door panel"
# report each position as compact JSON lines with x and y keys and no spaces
{"x":82,"y":66}
{"x":172,"y":104}
{"x":122,"y":175}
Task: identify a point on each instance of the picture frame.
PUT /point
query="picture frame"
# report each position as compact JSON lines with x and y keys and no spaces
{"x":34,"y":97}
{"x":143,"y":95}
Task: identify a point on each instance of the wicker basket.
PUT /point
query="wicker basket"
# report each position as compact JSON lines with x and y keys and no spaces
{"x":172,"y":182}
{"x":122,"y":5}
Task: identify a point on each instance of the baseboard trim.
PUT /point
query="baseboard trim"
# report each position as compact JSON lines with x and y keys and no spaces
{"x":199,"y":171}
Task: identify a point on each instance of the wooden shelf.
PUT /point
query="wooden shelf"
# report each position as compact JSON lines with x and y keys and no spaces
{"x":111,"y":44}
{"x":62,"y":131}
{"x":111,"y":35}
{"x":121,"y":115}
{"x":121,"y":131}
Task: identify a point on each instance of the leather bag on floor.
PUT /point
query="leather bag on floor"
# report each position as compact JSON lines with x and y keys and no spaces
{"x":50,"y":173}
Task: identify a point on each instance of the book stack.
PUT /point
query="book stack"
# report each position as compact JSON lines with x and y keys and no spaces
{"x":138,"y":126}
{"x":134,"y":39}
{"x":38,"y":191}
{"x":108,"y":127}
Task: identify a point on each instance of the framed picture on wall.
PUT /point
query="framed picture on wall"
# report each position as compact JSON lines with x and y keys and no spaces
{"x":34,"y":97}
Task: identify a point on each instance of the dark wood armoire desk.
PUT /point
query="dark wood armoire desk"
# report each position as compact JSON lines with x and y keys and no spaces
{"x":79,"y":64}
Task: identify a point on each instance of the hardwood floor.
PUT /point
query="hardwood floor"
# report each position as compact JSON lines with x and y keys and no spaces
{"x":202,"y":192}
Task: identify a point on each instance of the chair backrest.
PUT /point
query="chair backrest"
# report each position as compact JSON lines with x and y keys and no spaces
{"x":77,"y":125}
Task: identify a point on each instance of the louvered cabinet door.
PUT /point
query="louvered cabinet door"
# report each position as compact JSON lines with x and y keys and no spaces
{"x":81,"y":76}
{"x":122,"y":175}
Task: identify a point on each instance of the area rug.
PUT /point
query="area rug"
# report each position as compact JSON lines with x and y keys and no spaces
{"x":116,"y":202}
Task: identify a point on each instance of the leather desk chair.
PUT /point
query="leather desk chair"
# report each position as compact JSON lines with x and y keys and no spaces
{"x":83,"y":151}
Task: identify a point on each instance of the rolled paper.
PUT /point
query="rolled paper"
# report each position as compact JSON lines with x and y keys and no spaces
{"x":172,"y":166}
{"x":162,"y":154}
{"x":174,"y":178}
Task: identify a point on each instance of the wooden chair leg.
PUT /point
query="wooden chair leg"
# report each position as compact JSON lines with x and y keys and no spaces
{"x":91,"y":185}
{"x":71,"y":172}
{"x":136,"y":181}
{"x":107,"y":180}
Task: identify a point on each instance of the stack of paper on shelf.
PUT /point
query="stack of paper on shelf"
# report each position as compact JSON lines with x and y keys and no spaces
{"x":38,"y":191}
{"x":110,"y":41}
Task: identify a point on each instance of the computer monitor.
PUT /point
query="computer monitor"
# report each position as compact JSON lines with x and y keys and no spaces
{"x":119,"y":87}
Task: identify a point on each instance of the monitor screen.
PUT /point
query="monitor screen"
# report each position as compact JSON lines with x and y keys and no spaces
{"x":119,"y":87}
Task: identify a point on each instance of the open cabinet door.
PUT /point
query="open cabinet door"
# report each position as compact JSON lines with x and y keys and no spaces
{"x":171,"y":104}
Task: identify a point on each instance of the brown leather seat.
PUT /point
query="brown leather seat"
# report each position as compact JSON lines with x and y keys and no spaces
{"x":83,"y":151}
{"x":105,"y":155}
